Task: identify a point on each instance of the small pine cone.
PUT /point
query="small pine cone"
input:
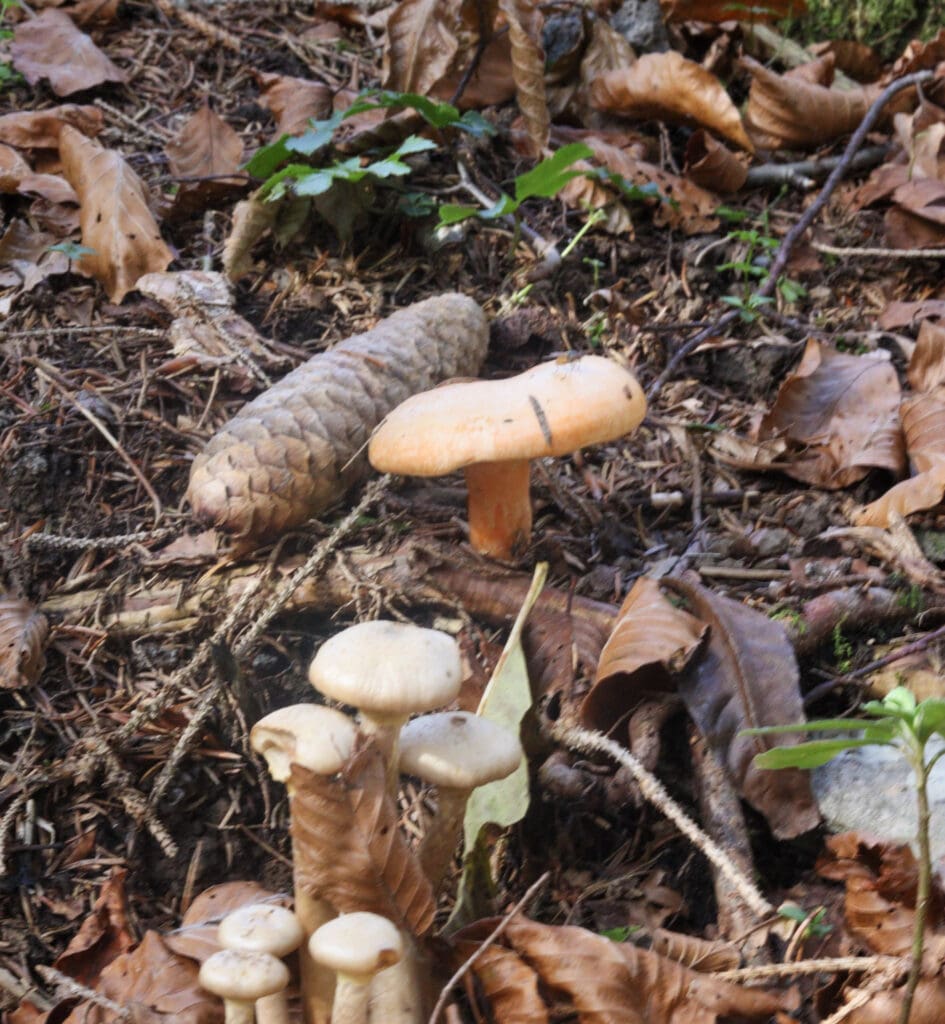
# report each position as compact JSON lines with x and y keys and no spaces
{"x":299,"y":446}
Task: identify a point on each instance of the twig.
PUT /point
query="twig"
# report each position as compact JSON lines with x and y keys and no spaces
{"x":493,"y":936}
{"x":21,"y":990}
{"x":275,"y":604}
{"x":57,"y":542}
{"x":653,"y":790}
{"x":824,"y":965}
{"x":69,"y":987}
{"x":886,"y":254}
{"x":805,"y":173}
{"x":783,"y":253}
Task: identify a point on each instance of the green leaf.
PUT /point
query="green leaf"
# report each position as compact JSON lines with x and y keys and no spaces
{"x":73,"y":250}
{"x":267,"y":159}
{"x":929,"y":718}
{"x":899,"y":701}
{"x":552,"y":174}
{"x":817,"y":725}
{"x":808,"y":755}
{"x":317,"y":137}
{"x":452,"y":213}
{"x":506,"y":699}
{"x":439,"y":115}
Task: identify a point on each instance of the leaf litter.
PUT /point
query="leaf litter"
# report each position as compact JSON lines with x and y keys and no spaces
{"x":134,"y":368}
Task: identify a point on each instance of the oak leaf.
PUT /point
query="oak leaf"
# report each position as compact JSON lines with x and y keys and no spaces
{"x":116,"y":222}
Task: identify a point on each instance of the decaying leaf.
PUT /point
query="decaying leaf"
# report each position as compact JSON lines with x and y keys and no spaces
{"x":839,"y":414}
{"x":731,"y":10}
{"x":116,"y":221}
{"x":205,"y":148}
{"x":917,"y":218}
{"x":927,"y":363}
{"x":421,"y":44}
{"x":703,"y":955}
{"x":923,"y":427}
{"x":196,"y":937}
{"x":710,"y":165}
{"x":667,"y":87}
{"x":528,"y":68}
{"x":747,"y":677}
{"x":23,"y":632}
{"x":651,"y":642}
{"x":39,"y":129}
{"x":293,"y":101}
{"x":790,"y":113}
{"x":49,"y":46}
{"x":297,"y":447}
{"x":509,"y":986}
{"x":252,"y":218}
{"x":349,"y":849}
{"x":618,"y":983}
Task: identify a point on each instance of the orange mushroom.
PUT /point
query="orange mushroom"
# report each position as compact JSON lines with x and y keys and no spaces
{"x":493,"y":429}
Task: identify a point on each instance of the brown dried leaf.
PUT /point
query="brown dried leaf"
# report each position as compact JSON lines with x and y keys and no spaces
{"x":23,"y":632}
{"x":902,"y":314}
{"x":712,"y":166}
{"x":928,"y":1004}
{"x":25,"y":252}
{"x":508,"y":984}
{"x":50,"y":46}
{"x":730,"y":10}
{"x":205,"y":146}
{"x":789,"y":113}
{"x":747,"y":677}
{"x":348,"y":848}
{"x":698,"y":954}
{"x":422,"y":44}
{"x":293,"y":101}
{"x":856,"y":60}
{"x":297,"y":447}
{"x":116,"y":221}
{"x":197,"y":936}
{"x":252,"y":218}
{"x":528,"y":68}
{"x":618,"y":983}
{"x":917,"y":221}
{"x":923,"y":426}
{"x":155,"y":984}
{"x":840,"y":414}
{"x":651,"y":642}
{"x":492,"y":82}
{"x":12,"y":169}
{"x":50,"y":186}
{"x":39,"y":129}
{"x":667,"y":87}
{"x":927,"y":362}
{"x":92,"y":12}
{"x":104,"y":935}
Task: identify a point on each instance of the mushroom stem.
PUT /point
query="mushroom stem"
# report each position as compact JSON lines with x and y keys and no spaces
{"x":385,"y":731}
{"x":351,"y":1000}
{"x":500,"y":510}
{"x":272,"y":1009}
{"x":439,"y":844}
{"x":317,"y":983}
{"x":396,"y":992}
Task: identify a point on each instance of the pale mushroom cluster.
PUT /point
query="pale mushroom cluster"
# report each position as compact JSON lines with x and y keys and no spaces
{"x":357,"y":966}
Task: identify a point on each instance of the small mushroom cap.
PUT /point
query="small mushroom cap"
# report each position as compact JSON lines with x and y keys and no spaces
{"x":243,"y":977}
{"x":261,"y":928}
{"x":458,"y":750}
{"x":388,"y":669}
{"x":554,"y":408}
{"x":357,"y":945}
{"x":317,"y":738}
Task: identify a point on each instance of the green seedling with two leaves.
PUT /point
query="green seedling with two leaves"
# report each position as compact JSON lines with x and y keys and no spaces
{"x":897,"y":721}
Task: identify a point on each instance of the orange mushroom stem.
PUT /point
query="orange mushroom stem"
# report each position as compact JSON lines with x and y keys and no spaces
{"x":500,"y":507}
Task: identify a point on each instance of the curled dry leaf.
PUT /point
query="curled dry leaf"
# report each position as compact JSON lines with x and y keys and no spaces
{"x":618,"y":983}
{"x":116,"y":221}
{"x":422,"y":44}
{"x":917,"y":218}
{"x":747,"y":677}
{"x":710,"y":165}
{"x":923,"y":427}
{"x":297,"y":447}
{"x":23,"y":632}
{"x":293,"y":101}
{"x":528,"y":68}
{"x":901,"y":314}
{"x":667,"y":87}
{"x":926,"y":370}
{"x":39,"y":129}
{"x":651,"y":642}
{"x":839,"y":414}
{"x":104,"y":935}
{"x":252,"y":218}
{"x":857,"y":60}
{"x":698,"y":954}
{"x":50,"y":46}
{"x":790,"y":113}
{"x":349,"y":849}
{"x":509,"y":986}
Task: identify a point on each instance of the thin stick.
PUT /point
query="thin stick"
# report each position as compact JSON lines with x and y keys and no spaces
{"x":783,"y":253}
{"x":493,"y":936}
{"x":653,"y":790}
{"x":825,"y":965}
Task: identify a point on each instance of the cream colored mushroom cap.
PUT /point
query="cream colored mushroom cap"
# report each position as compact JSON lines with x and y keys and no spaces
{"x":261,"y":928}
{"x":244,"y":977}
{"x":554,"y":408}
{"x":317,"y":738}
{"x":458,"y":750}
{"x":357,"y":945}
{"x":388,"y":668}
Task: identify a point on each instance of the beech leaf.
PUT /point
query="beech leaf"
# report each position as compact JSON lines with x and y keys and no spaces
{"x":421,"y":44}
{"x":116,"y":222}
{"x":668,"y":87}
{"x":50,"y":46}
{"x":839,"y":413}
{"x":747,"y":677}
{"x":23,"y":632}
{"x":39,"y":129}
{"x":528,"y":68}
